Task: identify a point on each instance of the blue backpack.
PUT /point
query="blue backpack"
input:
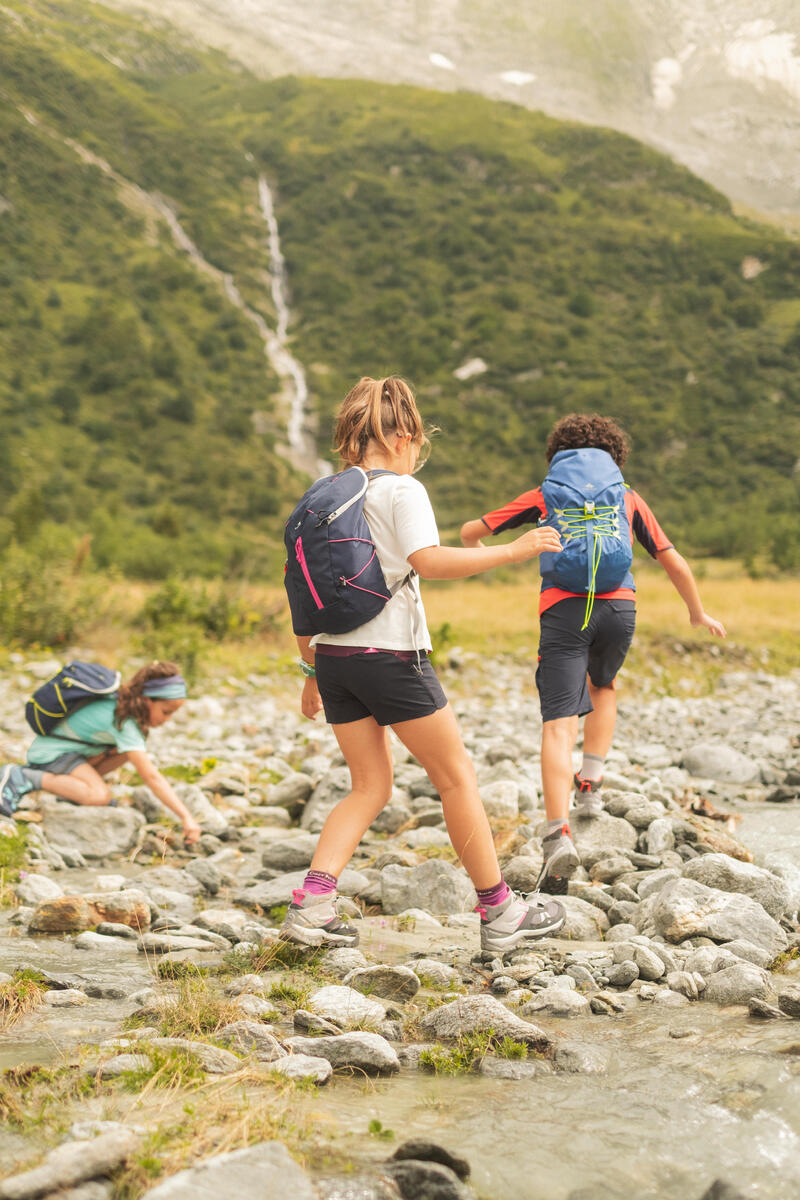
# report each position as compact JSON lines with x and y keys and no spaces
{"x":76,"y":684}
{"x":584,"y":494}
{"x":333,"y":577}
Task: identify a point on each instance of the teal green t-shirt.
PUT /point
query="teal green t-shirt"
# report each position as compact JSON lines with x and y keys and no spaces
{"x":90,"y":730}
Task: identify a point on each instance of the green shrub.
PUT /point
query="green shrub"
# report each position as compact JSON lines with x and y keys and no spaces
{"x":43,"y":602}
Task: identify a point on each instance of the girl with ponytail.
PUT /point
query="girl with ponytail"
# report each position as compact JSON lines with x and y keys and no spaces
{"x":379,"y":676}
{"x":99,"y":737}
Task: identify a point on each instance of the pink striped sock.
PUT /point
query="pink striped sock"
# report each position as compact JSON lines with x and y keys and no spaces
{"x":490,"y":897}
{"x":319,"y":883}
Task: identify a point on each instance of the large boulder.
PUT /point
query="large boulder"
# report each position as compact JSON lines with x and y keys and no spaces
{"x":686,"y":909}
{"x":585,"y":922}
{"x":69,"y":914}
{"x":435,"y":885}
{"x":93,"y":832}
{"x":738,"y":984}
{"x":481,"y":1014}
{"x":730,"y":875}
{"x":715,"y":760}
{"x":361,"y":1051}
{"x":602,"y":832}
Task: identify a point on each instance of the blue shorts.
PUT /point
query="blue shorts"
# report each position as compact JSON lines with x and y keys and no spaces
{"x":65,"y":764}
{"x":378,"y":685}
{"x":567,"y":653}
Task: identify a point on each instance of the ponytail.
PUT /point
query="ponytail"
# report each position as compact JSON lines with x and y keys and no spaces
{"x":374,"y":410}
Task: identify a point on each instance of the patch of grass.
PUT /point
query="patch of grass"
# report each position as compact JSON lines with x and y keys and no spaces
{"x":189,"y":773}
{"x":37,"y":1097}
{"x":294,"y":995}
{"x":196,"y":1009}
{"x":171,"y":1068}
{"x":180,"y":970}
{"x":785,"y":957}
{"x":469,"y":1052}
{"x":22,"y":995}
{"x":271,"y":956}
{"x":376,"y":1129}
{"x":13,"y":851}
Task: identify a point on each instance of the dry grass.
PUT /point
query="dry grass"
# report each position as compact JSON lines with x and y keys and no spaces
{"x":21,"y":996}
{"x":194,"y":1009}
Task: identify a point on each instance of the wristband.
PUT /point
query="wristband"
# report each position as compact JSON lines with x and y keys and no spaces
{"x":308,"y":669}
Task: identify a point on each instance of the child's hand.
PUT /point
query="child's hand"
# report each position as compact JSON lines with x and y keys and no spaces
{"x":311,"y":702}
{"x":545,"y":540}
{"x":715,"y":628}
{"x":191,"y":831}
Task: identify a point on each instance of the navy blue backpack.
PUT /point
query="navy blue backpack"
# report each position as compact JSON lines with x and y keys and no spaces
{"x":333,"y":577}
{"x":584,"y":494}
{"x":76,"y":684}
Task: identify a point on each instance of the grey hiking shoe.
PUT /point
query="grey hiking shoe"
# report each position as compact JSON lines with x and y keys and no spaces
{"x":588,"y":800}
{"x":561,"y":860}
{"x":13,"y":786}
{"x":514,"y":920}
{"x":314,"y":921}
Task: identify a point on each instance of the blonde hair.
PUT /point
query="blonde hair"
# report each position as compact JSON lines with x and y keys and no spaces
{"x":374,"y":410}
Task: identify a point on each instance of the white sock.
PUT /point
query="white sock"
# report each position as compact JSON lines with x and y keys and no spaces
{"x":591,"y":767}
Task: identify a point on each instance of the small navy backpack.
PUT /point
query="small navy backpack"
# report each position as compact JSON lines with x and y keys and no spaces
{"x":76,"y":684}
{"x":333,"y":577}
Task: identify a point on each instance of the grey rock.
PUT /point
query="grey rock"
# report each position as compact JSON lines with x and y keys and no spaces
{"x":720,"y":1189}
{"x":687,"y":983}
{"x":347,"y":1007}
{"x":622,"y":974}
{"x":114,"y":929}
{"x":557,"y":1002}
{"x":730,"y":875}
{"x":603,"y":832}
{"x":362,"y":1051}
{"x":715,"y":760}
{"x":685,"y":909}
{"x":655,"y":881}
{"x":263,"y":1170}
{"x":393,"y":983}
{"x":71,"y":1164}
{"x":431,"y":1180}
{"x":642,"y":813}
{"x":422,"y":1150}
{"x":251,"y":1037}
{"x":426,"y":836}
{"x":206,"y":874}
{"x":249,"y":984}
{"x":96,"y":1189}
{"x":660,"y":836}
{"x":434,"y":885}
{"x":391,"y":818}
{"x":166,"y":943}
{"x":621,"y":933}
{"x":211,"y":1058}
{"x":606,"y":870}
{"x":522,"y":871}
{"x":477,"y":1014}
{"x":291,"y":791}
{"x":66,"y":998}
{"x":93,"y":832}
{"x":343,"y":959}
{"x":789,"y":998}
{"x":112,"y":1068}
{"x":710,"y":959}
{"x":290,"y":853}
{"x":749,"y":952}
{"x":35,"y":888}
{"x":433,"y":973}
{"x":332,"y":788}
{"x":649,"y":963}
{"x":303,"y":1066}
{"x":738,"y":984}
{"x":576,"y":1058}
{"x":501,"y":799}
{"x":312,"y":1023}
{"x":585,"y":922}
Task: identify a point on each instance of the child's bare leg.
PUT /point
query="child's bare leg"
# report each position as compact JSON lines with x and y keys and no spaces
{"x":436,"y":742}
{"x":558,"y":741}
{"x":598,"y":730}
{"x":365,"y":746}
{"x":82,"y":786}
{"x":105,"y":763}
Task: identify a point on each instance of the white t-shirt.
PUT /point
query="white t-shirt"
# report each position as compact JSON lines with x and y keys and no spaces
{"x":401,"y":521}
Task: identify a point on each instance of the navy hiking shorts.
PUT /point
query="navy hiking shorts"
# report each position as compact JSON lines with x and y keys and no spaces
{"x":568,"y":653}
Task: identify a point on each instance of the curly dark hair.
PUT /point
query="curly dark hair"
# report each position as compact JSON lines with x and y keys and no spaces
{"x":577,"y":431}
{"x":131,"y":702}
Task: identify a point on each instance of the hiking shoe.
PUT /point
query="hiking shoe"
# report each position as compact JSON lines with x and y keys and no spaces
{"x":561,"y":860}
{"x":314,"y":921}
{"x":588,"y":801}
{"x":13,"y":786}
{"x":514,"y":920}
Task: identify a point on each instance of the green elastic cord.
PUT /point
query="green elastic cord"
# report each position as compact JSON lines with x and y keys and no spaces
{"x":573,"y":522}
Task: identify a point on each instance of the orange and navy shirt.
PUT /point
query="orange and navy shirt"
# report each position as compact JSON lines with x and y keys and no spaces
{"x":530,"y":508}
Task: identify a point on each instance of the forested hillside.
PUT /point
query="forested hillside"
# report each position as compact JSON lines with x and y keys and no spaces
{"x":420,"y":231}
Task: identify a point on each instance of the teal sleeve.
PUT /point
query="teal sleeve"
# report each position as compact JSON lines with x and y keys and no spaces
{"x":129,"y":737}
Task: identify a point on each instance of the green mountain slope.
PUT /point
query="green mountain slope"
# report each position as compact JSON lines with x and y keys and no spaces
{"x":420,"y":231}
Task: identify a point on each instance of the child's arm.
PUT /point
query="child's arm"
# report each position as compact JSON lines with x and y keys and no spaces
{"x":473,"y":531}
{"x":311,"y":701}
{"x":450,"y":562}
{"x":682,"y":579}
{"x":162,"y":789}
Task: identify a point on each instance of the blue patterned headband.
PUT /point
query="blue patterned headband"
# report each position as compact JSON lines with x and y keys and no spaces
{"x":171,"y":688}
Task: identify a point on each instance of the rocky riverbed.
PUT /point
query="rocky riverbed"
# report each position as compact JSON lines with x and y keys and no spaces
{"x":157,"y":1039}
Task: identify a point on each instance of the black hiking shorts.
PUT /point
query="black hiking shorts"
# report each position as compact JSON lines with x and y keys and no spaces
{"x":380,"y":685}
{"x":568,"y":653}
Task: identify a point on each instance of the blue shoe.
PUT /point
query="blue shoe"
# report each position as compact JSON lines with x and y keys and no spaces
{"x":13,"y":786}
